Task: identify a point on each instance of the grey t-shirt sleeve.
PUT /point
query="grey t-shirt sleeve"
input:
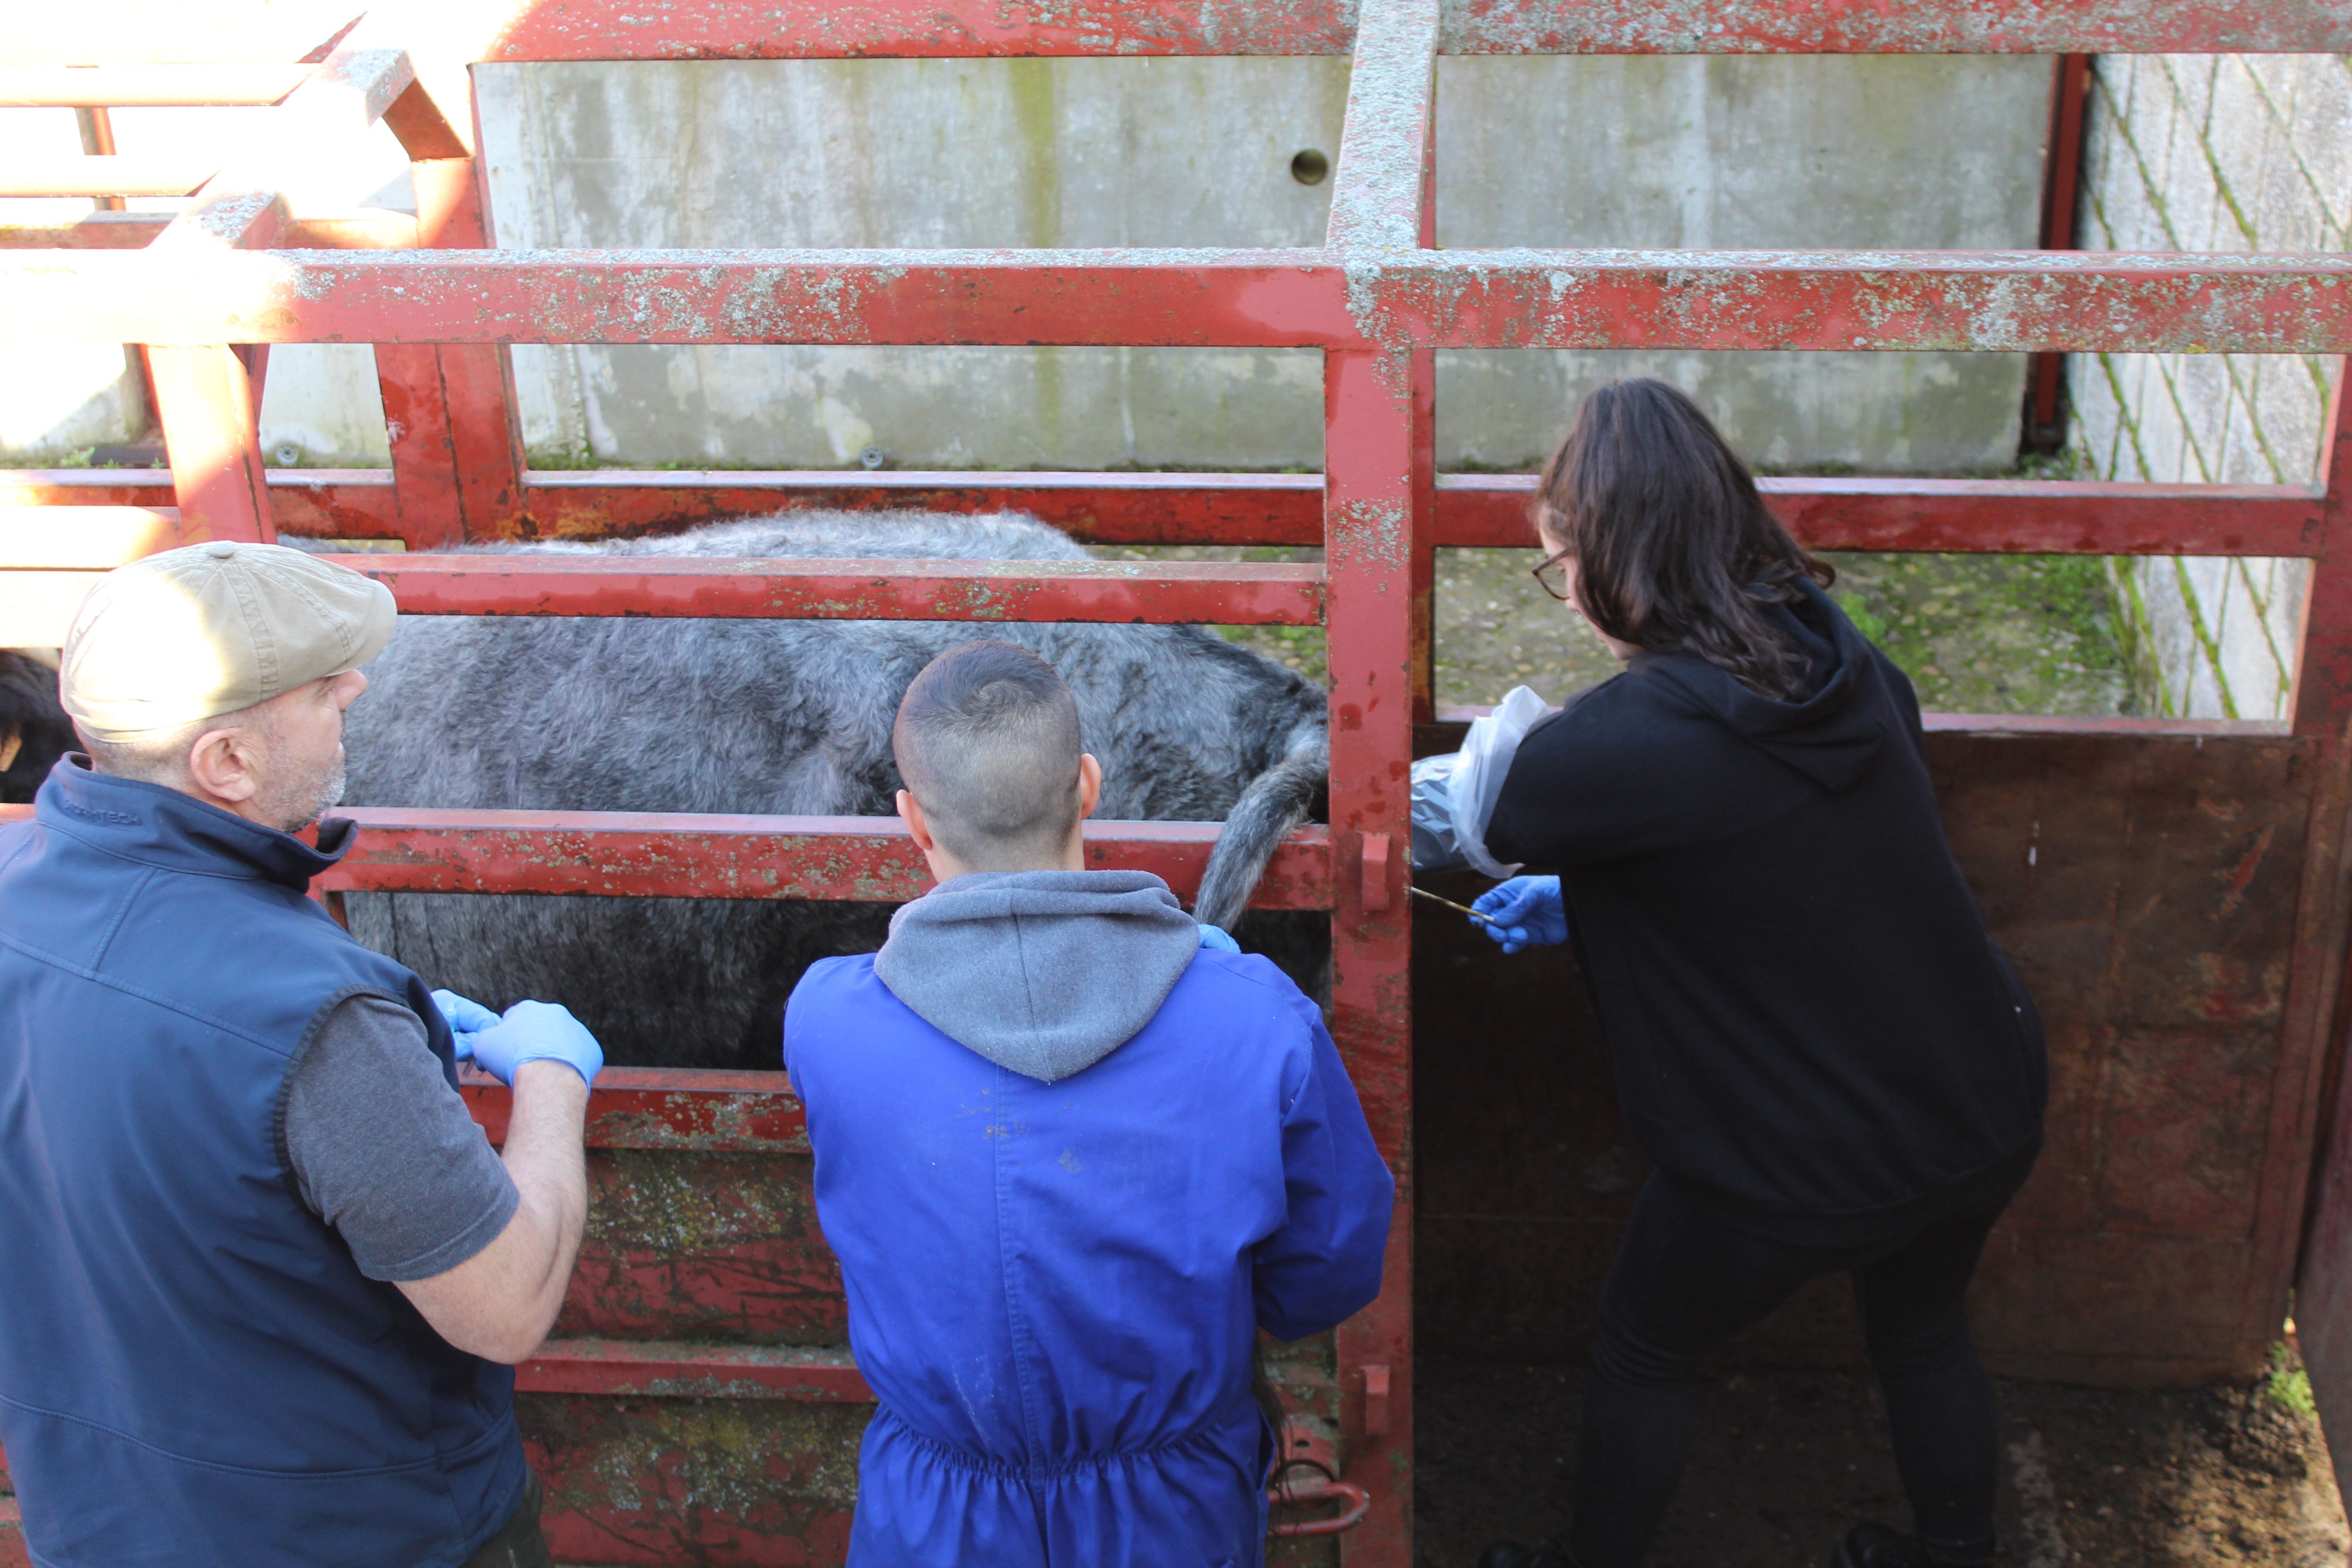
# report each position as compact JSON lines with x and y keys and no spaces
{"x":382,"y":1148}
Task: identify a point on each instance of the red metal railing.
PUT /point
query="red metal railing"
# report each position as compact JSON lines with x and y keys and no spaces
{"x":1377,"y":299}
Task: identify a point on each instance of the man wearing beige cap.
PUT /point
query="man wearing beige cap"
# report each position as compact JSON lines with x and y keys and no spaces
{"x":262,"y":1268}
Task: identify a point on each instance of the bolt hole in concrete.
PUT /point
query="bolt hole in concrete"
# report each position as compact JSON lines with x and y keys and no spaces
{"x":286,"y":455}
{"x":872,"y":458}
{"x":1309,"y":167}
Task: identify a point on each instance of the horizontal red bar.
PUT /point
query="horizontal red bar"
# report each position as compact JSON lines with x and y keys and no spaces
{"x":1102,"y":509}
{"x":2107,"y":726}
{"x":670,"y":1107}
{"x":859,"y":859}
{"x":764,"y":29}
{"x":2006,"y":301}
{"x":671,"y":1370}
{"x":2024,"y":517}
{"x":1211,"y":591}
{"x":2020,"y":516}
{"x":1914,"y":27}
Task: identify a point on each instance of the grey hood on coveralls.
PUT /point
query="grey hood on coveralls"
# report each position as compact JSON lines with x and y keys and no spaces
{"x":1045,"y":972}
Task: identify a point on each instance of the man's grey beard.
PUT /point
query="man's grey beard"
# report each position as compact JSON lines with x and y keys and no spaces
{"x":302,"y":801}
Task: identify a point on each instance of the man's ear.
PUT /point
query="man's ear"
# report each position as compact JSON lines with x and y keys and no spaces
{"x":910,"y":812}
{"x":1090,"y":777}
{"x":225,"y":764}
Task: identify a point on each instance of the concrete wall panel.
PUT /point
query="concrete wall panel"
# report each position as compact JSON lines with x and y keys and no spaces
{"x":1532,"y":151}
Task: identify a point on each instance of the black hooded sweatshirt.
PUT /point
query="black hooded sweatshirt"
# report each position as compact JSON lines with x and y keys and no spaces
{"x":1810,"y":1026}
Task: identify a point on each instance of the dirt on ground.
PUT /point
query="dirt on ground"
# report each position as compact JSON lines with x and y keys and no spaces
{"x":1783,"y":1463}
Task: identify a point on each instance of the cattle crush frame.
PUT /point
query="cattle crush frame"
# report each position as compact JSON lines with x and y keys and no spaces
{"x":698,"y":1404}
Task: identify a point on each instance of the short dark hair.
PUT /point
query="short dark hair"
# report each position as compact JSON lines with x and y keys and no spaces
{"x":987,"y":742}
{"x":1675,"y":549}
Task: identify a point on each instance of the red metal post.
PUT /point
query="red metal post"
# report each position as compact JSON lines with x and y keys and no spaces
{"x":1425,"y":453}
{"x":456,"y":450}
{"x":2060,"y":190}
{"x":204,"y":402}
{"x":2309,"y":1114}
{"x":1380,"y":503}
{"x":1370,"y":549}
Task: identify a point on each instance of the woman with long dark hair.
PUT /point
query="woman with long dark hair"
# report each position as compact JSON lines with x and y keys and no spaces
{"x":1832,"y":1067}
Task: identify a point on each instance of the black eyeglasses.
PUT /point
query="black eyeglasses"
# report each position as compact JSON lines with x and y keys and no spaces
{"x":1553,"y":575}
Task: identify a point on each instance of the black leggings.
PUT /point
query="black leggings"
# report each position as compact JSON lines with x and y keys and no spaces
{"x":1685,"y":1283}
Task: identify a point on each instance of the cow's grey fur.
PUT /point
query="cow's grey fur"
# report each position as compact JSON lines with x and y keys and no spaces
{"x":786,"y":717}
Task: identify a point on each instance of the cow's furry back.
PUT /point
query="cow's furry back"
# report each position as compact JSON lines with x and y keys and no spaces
{"x":784,"y":717}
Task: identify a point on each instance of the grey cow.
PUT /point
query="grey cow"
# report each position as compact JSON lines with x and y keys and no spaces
{"x":783,"y":717}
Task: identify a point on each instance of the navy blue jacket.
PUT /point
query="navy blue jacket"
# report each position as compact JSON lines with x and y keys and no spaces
{"x":1055,"y":1288}
{"x":192,"y":1370}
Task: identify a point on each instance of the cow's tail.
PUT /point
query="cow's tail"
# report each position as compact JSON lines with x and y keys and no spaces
{"x":1277,"y":802}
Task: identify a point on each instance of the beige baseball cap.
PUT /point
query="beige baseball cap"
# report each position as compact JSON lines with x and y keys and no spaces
{"x":210,"y":629}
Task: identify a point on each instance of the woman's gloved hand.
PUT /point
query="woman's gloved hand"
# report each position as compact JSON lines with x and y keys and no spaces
{"x":1525,"y":911}
{"x":531,"y":1031}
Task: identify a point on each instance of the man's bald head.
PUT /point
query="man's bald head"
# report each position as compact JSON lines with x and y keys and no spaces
{"x":987,"y":742}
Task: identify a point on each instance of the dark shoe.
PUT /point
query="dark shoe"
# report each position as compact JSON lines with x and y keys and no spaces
{"x":1875,"y":1546}
{"x":1511,"y":1555}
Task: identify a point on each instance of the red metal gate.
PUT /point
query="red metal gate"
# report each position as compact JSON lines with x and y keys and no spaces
{"x":698,"y":1404}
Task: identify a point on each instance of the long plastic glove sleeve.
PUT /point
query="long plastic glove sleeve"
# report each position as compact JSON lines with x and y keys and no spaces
{"x":536,"y":1031}
{"x":1526,"y":911}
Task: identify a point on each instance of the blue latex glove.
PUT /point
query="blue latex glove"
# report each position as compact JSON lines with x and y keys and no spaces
{"x":531,"y":1031}
{"x":1215,"y":937}
{"x":1525,"y":911}
{"x":467,"y":1019}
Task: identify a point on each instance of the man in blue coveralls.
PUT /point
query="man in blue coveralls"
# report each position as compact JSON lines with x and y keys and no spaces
{"x":1072,"y":1151}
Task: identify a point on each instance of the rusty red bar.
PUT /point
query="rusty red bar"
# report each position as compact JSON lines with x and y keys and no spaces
{"x":2060,"y":517}
{"x":2019,"y":516}
{"x":764,"y":29}
{"x":1161,"y":592}
{"x":854,"y":858}
{"x":1914,"y":27}
{"x":2008,"y":301}
{"x":663,"y":1370}
{"x":1100,"y":508}
{"x":668,"y":1108}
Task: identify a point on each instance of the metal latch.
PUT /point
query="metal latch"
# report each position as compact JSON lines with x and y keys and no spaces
{"x":1307,"y":1473}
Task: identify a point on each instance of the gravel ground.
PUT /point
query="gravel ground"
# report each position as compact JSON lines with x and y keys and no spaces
{"x":1784,"y":1462}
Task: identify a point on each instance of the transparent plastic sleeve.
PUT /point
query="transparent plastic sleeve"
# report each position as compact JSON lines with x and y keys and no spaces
{"x":1453,"y":797}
